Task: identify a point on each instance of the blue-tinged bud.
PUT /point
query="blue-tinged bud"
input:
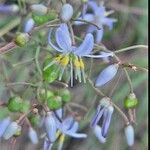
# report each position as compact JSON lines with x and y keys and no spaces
{"x":66,"y":12}
{"x":28,"y":25}
{"x":50,"y":126}
{"x":33,"y":136}
{"x":9,"y":8}
{"x":39,"y":9}
{"x":3,"y":125}
{"x":106,"y":75}
{"x":129,"y":133}
{"x":11,"y":130}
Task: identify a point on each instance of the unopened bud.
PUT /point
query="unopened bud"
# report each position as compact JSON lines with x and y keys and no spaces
{"x":39,"y":9}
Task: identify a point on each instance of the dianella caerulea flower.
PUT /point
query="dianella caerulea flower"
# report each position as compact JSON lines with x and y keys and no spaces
{"x":101,"y":120}
{"x":99,"y":16}
{"x":69,"y":54}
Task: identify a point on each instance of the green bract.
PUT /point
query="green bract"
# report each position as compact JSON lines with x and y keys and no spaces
{"x":52,"y":72}
{"x":22,"y":39}
{"x":54,"y":102}
{"x":130,"y":101}
{"x":34,"y":120}
{"x":15,"y":104}
{"x":65,"y":95}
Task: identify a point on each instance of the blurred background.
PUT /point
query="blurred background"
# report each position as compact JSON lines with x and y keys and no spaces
{"x":130,"y":29}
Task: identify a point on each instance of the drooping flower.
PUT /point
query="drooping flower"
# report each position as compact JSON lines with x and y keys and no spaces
{"x":70,"y":55}
{"x":99,"y":16}
{"x":101,"y":120}
{"x":33,"y":135}
{"x":9,"y":8}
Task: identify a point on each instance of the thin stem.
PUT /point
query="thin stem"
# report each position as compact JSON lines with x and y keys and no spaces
{"x":131,"y":48}
{"x":87,"y":22}
{"x":72,"y":33}
{"x":23,"y":62}
{"x":22,"y":83}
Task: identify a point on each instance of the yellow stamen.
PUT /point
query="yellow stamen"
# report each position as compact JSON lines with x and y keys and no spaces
{"x":81,"y":63}
{"x":77,"y":63}
{"x":65,"y":60}
{"x":62,"y":138}
{"x":58,"y":133}
{"x":58,"y":58}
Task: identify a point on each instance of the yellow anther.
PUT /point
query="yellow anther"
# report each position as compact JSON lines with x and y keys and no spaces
{"x":58,"y":58}
{"x":77,"y":63}
{"x":62,"y":138}
{"x":81,"y":63}
{"x":65,"y":60}
{"x":58,"y":133}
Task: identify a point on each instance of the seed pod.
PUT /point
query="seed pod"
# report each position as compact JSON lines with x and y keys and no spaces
{"x":130,"y":101}
{"x":28,"y":25}
{"x":14,"y":104}
{"x":66,"y":12}
{"x":33,"y":136}
{"x":129,"y":133}
{"x":54,"y":102}
{"x":39,"y":9}
{"x":22,"y":39}
{"x":11,"y":130}
{"x":106,"y":75}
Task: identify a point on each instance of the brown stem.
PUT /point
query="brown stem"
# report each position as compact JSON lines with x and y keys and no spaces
{"x":7,"y":47}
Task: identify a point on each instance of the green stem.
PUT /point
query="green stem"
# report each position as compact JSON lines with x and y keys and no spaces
{"x":131,"y":48}
{"x":22,"y":83}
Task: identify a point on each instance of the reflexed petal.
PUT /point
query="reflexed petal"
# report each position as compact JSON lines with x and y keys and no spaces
{"x":91,"y":29}
{"x":59,"y":113}
{"x":76,"y":135}
{"x":99,"y":35}
{"x":106,"y":122}
{"x":98,"y":133}
{"x":47,"y":144}
{"x":67,"y":123}
{"x":103,"y":55}
{"x":97,"y":116}
{"x":109,"y":22}
{"x":93,"y":5}
{"x":106,"y":75}
{"x":33,"y":136}
{"x":50,"y":42}
{"x":50,"y":126}
{"x":63,"y":38}
{"x":86,"y":47}
{"x":87,"y":17}
{"x":74,"y":127}
{"x":129,"y":133}
{"x":3,"y":125}
{"x":84,"y":9}
{"x":11,"y":130}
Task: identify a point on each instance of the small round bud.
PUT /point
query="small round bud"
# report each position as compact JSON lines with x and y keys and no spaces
{"x":66,"y":12}
{"x":130,"y":101}
{"x":39,"y":9}
{"x":65,"y":95}
{"x":22,"y":39}
{"x":129,"y":133}
{"x":54,"y":102}
{"x":34,"y":120}
{"x":14,"y":104}
{"x":28,"y":25}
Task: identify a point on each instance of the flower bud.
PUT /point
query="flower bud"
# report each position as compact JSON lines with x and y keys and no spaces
{"x":39,"y":9}
{"x":65,"y":95}
{"x":3,"y":125}
{"x":9,"y":8}
{"x":129,"y":133}
{"x":130,"y":101}
{"x":33,"y":136}
{"x":22,"y":39}
{"x":28,"y":25}
{"x":11,"y":130}
{"x":66,"y":12}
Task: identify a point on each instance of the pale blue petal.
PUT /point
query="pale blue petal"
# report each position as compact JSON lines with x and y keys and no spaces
{"x":103,"y":55}
{"x":51,"y":44}
{"x":33,"y":136}
{"x":86,"y":47}
{"x":76,"y":135}
{"x":99,"y":35}
{"x":63,"y":38}
{"x":74,"y":127}
{"x":84,"y":9}
{"x":67,"y":123}
{"x":106,"y":75}
{"x":59,"y":113}
{"x":98,"y":134}
{"x":28,"y":25}
{"x":47,"y":144}
{"x":87,"y":17}
{"x":93,"y":5}
{"x":91,"y":29}
{"x":109,"y":22}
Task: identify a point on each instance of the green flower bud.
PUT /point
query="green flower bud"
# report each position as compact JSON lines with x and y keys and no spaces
{"x":22,"y":39}
{"x":25,"y":106}
{"x":130,"y":101}
{"x":65,"y":95}
{"x":34,"y":120}
{"x":52,"y":72}
{"x":14,"y":104}
{"x":39,"y":20}
{"x":54,"y":102}
{"x":84,"y":1}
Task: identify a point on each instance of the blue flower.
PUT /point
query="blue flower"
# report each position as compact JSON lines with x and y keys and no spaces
{"x":9,"y":8}
{"x":28,"y":25}
{"x":70,"y":55}
{"x":47,"y":144}
{"x":98,"y":16}
{"x":101,"y":120}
